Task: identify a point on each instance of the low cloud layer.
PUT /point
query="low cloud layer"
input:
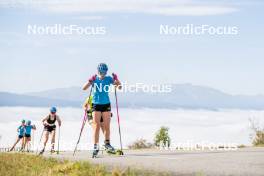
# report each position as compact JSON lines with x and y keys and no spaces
{"x":157,"y":7}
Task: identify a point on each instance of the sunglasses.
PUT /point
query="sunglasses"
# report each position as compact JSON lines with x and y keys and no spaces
{"x":102,"y":73}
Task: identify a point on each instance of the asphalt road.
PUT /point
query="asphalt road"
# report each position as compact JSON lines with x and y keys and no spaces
{"x":243,"y":162}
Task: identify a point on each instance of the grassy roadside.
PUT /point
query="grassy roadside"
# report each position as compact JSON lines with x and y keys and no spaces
{"x":14,"y":164}
{"x":259,"y":145}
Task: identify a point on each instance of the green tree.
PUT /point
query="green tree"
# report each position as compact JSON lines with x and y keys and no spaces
{"x":162,"y":137}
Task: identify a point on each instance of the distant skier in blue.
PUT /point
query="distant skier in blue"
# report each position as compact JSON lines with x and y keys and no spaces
{"x":28,"y":128}
{"x":21,"y":133}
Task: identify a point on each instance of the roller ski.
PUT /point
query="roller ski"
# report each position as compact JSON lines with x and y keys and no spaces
{"x":111,"y":150}
{"x":115,"y":152}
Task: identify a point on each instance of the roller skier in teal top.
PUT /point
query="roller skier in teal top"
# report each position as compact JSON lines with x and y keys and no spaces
{"x":101,"y":106}
{"x":28,"y":129}
{"x":20,"y":136}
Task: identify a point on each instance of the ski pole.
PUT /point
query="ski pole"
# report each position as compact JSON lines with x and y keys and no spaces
{"x":40,"y":140}
{"x":83,"y":124}
{"x":118,"y":121}
{"x":58,"y":142}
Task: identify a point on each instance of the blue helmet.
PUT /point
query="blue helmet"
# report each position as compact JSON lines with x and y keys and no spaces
{"x":28,"y":122}
{"x":23,"y":121}
{"x":102,"y":68}
{"x":53,"y":109}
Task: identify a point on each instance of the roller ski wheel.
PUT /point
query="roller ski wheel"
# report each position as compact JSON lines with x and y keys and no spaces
{"x":119,"y":152}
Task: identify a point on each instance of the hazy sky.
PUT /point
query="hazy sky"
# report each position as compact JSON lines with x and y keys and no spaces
{"x":132,"y":46}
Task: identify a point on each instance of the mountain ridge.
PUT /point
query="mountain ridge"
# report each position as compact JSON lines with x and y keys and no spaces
{"x":182,"y":96}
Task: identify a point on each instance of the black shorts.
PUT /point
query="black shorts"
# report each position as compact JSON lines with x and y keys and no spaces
{"x":27,"y":135}
{"x":20,"y":136}
{"x":101,"y":107}
{"x":50,"y":128}
{"x":97,"y":108}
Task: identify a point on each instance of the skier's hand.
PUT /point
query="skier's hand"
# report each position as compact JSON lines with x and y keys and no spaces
{"x":92,"y":79}
{"x":117,"y":83}
{"x":45,"y":124}
{"x":115,"y":77}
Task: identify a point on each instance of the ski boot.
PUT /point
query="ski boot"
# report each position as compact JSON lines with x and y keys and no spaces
{"x":52,"y":151}
{"x":41,"y":152}
{"x":109,"y":149}
{"x":95,"y":151}
{"x":52,"y":148}
{"x":22,"y":150}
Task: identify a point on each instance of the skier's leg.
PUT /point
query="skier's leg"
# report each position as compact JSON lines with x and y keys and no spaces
{"x":53,"y":134}
{"x":96,"y":126}
{"x":46,"y":138}
{"x":28,"y":144}
{"x":106,"y":122}
{"x":102,"y":127}
{"x":96,"y":129}
{"x":12,"y":148}
{"x":89,"y":117}
{"x":107,"y":119}
{"x":23,"y":143}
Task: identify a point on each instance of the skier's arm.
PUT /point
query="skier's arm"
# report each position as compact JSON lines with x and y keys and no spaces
{"x":85,"y":106}
{"x":34,"y":127}
{"x":44,"y":120}
{"x":86,"y":85}
{"x":90,"y":82}
{"x":116,"y":83}
{"x":59,"y":120}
